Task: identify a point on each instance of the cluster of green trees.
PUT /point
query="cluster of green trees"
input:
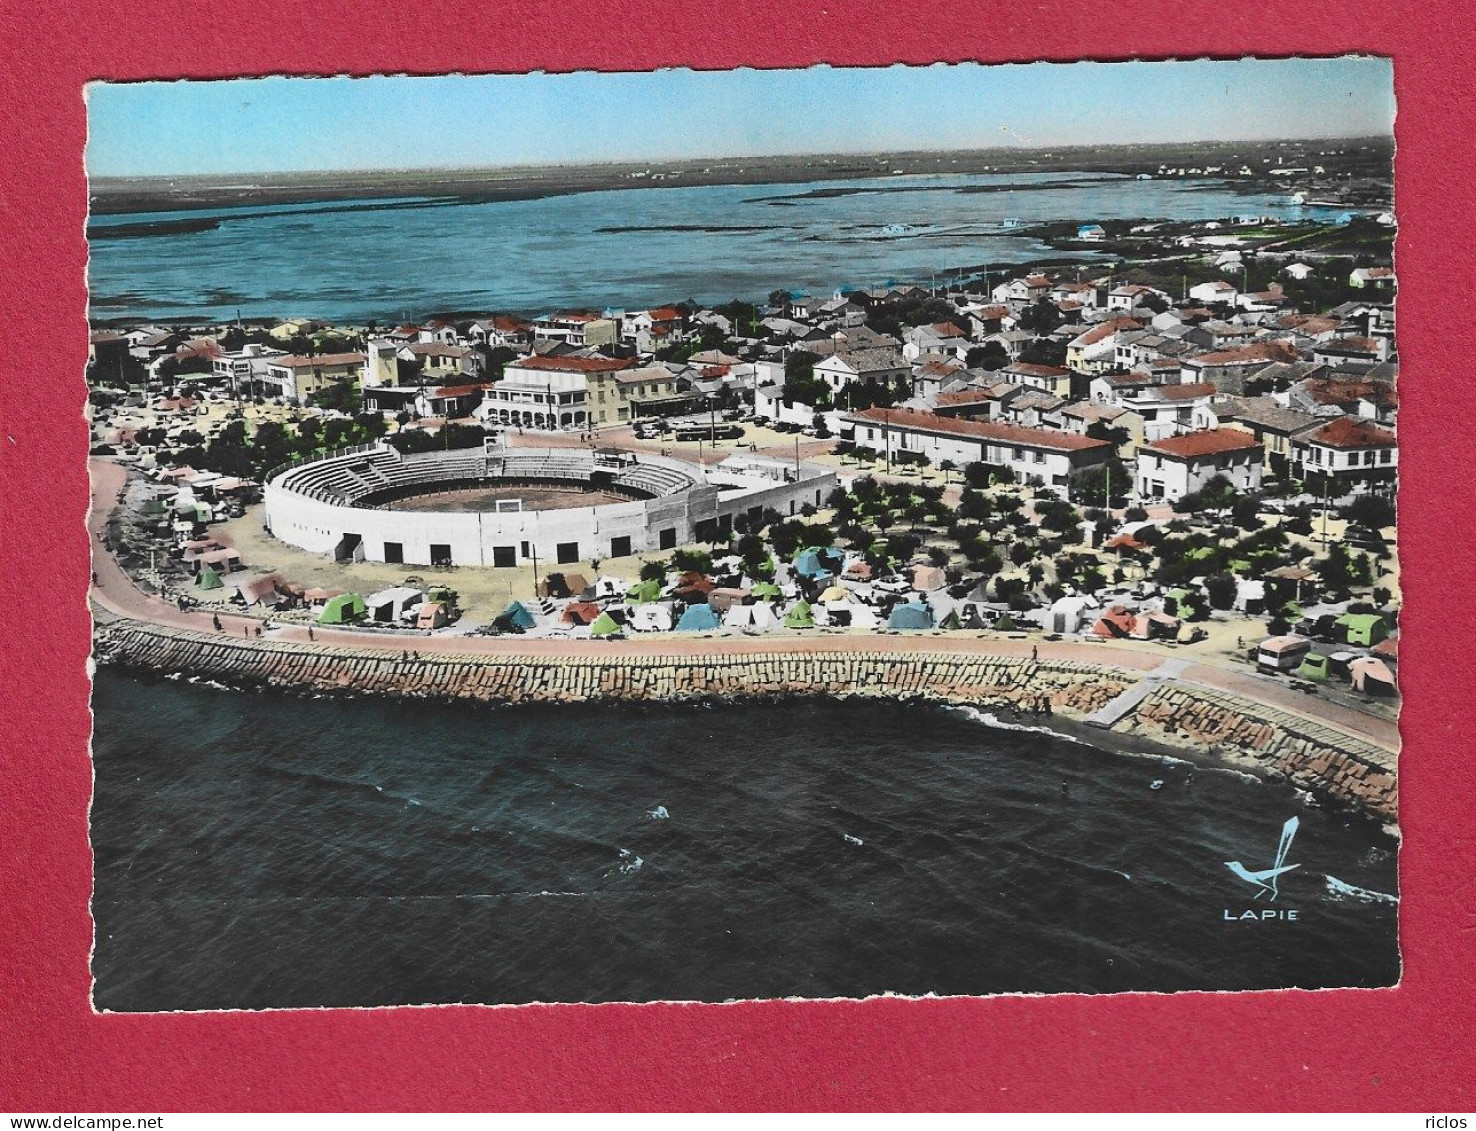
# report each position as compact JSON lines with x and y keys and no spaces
{"x":235,"y":452}
{"x":801,"y":386}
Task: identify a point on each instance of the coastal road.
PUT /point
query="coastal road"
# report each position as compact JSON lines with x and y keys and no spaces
{"x":116,"y":593}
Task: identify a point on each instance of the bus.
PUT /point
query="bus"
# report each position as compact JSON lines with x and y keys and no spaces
{"x":691,"y":432}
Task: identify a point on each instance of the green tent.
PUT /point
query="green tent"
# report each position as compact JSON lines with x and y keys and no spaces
{"x":1363,"y":629}
{"x":343,"y":609}
{"x":1005,"y":623}
{"x":1314,"y":666}
{"x":209,"y":579}
{"x":766,"y":590}
{"x":800,"y":616}
{"x":951,"y":622}
{"x":604,"y":625}
{"x":644,"y":593}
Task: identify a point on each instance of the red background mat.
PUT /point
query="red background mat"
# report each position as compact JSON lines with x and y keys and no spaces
{"x":1408,"y":1049}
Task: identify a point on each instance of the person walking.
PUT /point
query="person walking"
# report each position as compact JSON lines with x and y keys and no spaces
{"x":1034,"y":653}
{"x":310,"y":632}
{"x":215,"y":620}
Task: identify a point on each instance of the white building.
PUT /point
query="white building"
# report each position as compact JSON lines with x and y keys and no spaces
{"x":1038,"y":456}
{"x":865,"y":366}
{"x":1181,"y":465}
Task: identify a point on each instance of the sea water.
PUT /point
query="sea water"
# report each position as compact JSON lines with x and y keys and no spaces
{"x":623,"y":248}
{"x":255,"y":849}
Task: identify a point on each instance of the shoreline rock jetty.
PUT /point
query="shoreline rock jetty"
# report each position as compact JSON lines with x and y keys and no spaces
{"x":1193,"y":721}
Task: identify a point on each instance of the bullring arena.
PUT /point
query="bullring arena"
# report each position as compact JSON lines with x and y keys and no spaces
{"x":497,"y":506}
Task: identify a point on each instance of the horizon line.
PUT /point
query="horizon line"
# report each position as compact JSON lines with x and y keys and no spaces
{"x":675,"y":161}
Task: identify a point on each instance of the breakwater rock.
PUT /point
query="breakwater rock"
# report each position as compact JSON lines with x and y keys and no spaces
{"x":1185,"y":716}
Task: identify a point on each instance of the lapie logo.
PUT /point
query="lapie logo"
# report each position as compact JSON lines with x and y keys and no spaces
{"x":1267,"y":881}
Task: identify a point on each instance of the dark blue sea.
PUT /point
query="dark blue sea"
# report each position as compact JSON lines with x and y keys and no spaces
{"x":258,"y":850}
{"x":357,"y":260}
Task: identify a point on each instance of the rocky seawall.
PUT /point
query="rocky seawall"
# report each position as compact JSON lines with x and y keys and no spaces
{"x":1186,"y":718}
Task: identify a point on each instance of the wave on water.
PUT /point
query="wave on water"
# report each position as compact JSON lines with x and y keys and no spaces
{"x":348,"y":784}
{"x":629,"y":862}
{"x":1340,"y":890}
{"x":658,"y":814}
{"x":989,"y":719}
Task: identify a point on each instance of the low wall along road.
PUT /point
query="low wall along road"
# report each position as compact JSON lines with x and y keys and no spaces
{"x":1189,"y":717}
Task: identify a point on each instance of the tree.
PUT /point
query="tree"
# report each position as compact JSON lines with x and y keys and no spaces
{"x":1245,"y":512}
{"x":1044,"y":351}
{"x":691,"y":561}
{"x":1041,"y":318}
{"x":989,"y":357}
{"x":800,"y":383}
{"x":1221,"y":588}
{"x":1370,"y":510}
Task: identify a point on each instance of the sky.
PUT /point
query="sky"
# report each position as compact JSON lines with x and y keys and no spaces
{"x":306,"y":124}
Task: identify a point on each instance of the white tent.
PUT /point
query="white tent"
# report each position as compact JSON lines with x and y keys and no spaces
{"x":759,"y":617}
{"x":650,"y":618}
{"x":764,"y":616}
{"x":609,"y":586}
{"x":392,"y":604}
{"x":845,"y":614}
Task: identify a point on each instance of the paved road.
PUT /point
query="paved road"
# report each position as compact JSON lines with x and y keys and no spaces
{"x":116,"y":593}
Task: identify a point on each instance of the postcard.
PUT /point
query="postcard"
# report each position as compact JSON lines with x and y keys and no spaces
{"x":730,"y":535}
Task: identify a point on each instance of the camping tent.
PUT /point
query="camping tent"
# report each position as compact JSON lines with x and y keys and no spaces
{"x":927,"y":578}
{"x":604,"y":625}
{"x":799,"y":616}
{"x":580,"y":612}
{"x":320,"y":596}
{"x":766,"y":590}
{"x":910,"y":616}
{"x":209,"y":579}
{"x":650,"y":618}
{"x":516,"y":618}
{"x":343,"y":609}
{"x":1371,"y":676}
{"x":259,"y":589}
{"x":389,"y":606}
{"x":738,"y":616}
{"x":836,"y":594}
{"x":694,"y":587}
{"x":608,"y":586}
{"x":644,"y":593}
{"x":951,"y":621}
{"x":698,"y":618}
{"x":812,"y":563}
{"x":432,"y":614}
{"x":724,"y":599}
{"x":1363,"y":629}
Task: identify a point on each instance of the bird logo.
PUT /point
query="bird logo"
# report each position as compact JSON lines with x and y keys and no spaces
{"x":1268,"y":879}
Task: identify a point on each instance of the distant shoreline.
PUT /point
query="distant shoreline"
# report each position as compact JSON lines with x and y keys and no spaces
{"x":114,"y":195}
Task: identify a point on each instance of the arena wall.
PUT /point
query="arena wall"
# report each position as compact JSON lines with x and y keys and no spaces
{"x":486,"y":538}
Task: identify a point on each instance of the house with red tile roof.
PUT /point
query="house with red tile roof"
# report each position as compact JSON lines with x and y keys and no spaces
{"x":1230,"y":369}
{"x":1040,"y":456}
{"x":1181,"y":465}
{"x":1347,"y":456}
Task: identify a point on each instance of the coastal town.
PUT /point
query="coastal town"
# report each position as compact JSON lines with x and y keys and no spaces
{"x":1183,"y":447}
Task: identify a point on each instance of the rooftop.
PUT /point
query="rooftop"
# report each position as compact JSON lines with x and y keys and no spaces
{"x":1210,"y":442}
{"x":988,"y":430}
